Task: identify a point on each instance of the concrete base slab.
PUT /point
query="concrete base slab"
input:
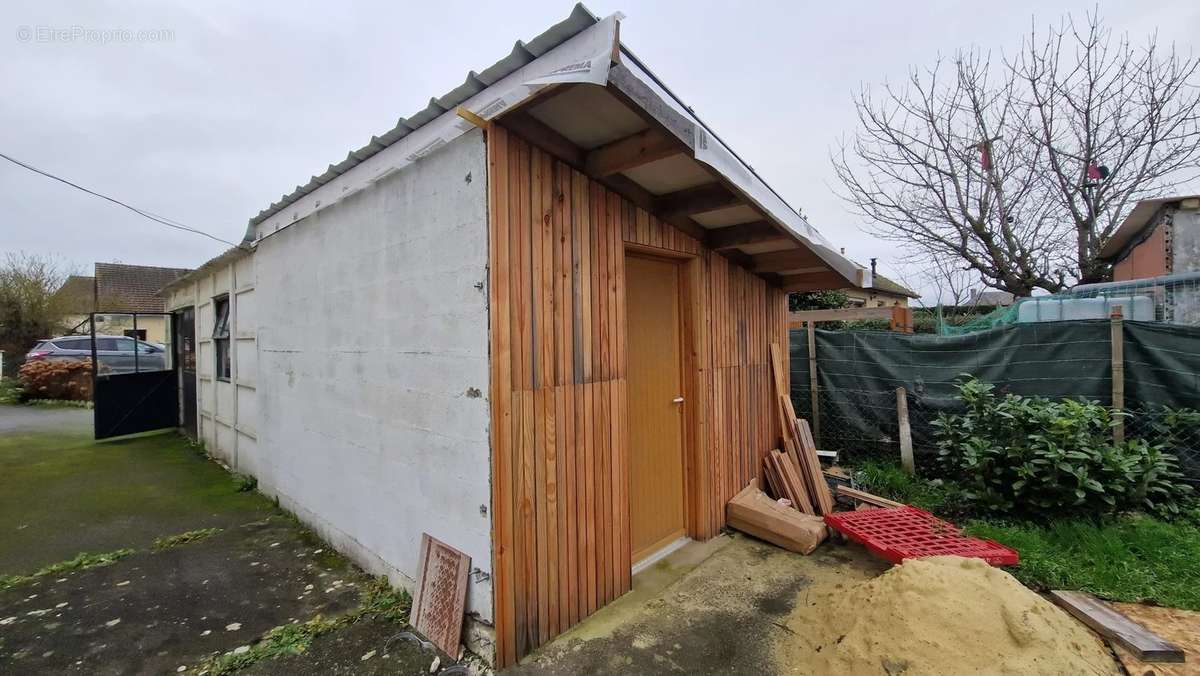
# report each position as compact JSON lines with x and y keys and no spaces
{"x":713,"y":607}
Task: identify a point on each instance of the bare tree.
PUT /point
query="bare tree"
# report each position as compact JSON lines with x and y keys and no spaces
{"x":1021,"y":169}
{"x":952,"y":283}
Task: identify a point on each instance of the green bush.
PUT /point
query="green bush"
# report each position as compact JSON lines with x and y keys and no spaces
{"x":1036,"y":457}
{"x":10,"y":391}
{"x":887,"y":479}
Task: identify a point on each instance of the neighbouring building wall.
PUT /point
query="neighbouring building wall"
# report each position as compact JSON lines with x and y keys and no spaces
{"x":870,"y":298}
{"x":226,"y":407}
{"x":114,"y":324}
{"x":1183,"y":303}
{"x":1185,"y":240}
{"x":560,"y":448}
{"x":1148,"y":258}
{"x":373,"y":374}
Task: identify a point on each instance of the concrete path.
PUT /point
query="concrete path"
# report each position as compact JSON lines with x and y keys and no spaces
{"x":44,"y":419}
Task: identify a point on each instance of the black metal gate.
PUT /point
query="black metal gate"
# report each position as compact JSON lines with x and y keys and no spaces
{"x":135,"y":383}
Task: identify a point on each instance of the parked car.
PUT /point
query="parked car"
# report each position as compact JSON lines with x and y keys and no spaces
{"x":114,"y":353}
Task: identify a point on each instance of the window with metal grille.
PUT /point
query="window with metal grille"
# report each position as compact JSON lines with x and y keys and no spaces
{"x":221,"y":336}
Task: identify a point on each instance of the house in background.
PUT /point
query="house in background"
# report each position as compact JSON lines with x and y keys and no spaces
{"x":1159,"y":237}
{"x":882,"y":292}
{"x":77,"y":297}
{"x":533,"y":320}
{"x":115,"y":289}
{"x":1155,"y":254}
{"x":990,"y":298}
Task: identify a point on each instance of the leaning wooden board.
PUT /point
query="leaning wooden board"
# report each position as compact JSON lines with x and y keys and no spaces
{"x":797,"y":440}
{"x":1112,"y":625}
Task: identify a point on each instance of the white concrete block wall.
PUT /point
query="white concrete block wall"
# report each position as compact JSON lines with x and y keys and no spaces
{"x":372,"y":348}
{"x":226,"y":409}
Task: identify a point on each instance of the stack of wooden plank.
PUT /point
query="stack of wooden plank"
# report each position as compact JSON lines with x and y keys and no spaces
{"x":752,"y":512}
{"x":795,"y":471}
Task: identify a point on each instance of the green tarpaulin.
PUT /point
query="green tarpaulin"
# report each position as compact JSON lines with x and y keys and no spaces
{"x":858,"y":373}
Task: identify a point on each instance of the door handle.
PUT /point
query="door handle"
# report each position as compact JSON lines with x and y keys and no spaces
{"x":677,"y":400}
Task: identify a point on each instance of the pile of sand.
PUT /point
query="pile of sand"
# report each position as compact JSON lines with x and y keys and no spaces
{"x":940,"y":615}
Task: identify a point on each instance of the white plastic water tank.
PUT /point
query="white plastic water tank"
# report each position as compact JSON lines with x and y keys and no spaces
{"x":1038,"y":310}
{"x":1051,"y":309}
{"x":1084,"y":308}
{"x":1136,"y":308}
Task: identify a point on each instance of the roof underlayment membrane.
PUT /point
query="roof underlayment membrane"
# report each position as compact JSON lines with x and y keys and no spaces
{"x":579,"y":49}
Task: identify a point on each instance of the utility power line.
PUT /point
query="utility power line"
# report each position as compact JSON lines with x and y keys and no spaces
{"x":163,"y":220}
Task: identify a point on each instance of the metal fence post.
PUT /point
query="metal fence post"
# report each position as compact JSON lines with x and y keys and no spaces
{"x":1116,"y":321}
{"x":906,"y":448}
{"x":812,"y":382}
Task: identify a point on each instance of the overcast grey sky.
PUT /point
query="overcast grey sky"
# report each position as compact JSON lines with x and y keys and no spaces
{"x":242,"y":101}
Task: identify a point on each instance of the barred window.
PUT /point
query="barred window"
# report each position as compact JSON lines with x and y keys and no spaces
{"x":221,"y":336}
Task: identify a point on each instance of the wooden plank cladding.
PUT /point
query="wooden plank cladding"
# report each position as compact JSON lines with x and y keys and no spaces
{"x":560,"y":451}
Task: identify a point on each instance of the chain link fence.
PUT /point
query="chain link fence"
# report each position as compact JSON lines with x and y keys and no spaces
{"x":858,"y":373}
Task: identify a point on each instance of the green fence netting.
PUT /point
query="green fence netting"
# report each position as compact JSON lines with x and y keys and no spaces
{"x":858,"y":373}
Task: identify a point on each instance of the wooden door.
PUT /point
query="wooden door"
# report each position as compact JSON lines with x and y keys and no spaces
{"x":656,"y":497}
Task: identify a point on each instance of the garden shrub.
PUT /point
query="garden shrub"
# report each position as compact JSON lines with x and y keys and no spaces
{"x":1032,"y":456}
{"x":10,"y":391}
{"x":56,"y":379}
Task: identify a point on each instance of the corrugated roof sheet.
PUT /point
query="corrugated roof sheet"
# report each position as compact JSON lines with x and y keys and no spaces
{"x":522,"y":53}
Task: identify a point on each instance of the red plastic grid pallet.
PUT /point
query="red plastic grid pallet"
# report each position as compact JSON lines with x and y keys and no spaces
{"x":899,"y":533}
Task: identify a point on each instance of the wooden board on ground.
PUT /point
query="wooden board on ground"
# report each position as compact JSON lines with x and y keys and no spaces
{"x":1117,"y":628}
{"x":1181,"y":627}
{"x":755,"y":513}
{"x":437,"y":609}
{"x":868,"y":498}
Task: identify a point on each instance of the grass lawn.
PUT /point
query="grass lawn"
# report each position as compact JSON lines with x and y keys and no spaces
{"x":1127,"y":558}
{"x":63,"y":493}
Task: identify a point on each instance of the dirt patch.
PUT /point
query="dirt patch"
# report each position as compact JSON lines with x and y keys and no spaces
{"x":367,"y":648}
{"x":938,"y":615}
{"x":718,"y":618}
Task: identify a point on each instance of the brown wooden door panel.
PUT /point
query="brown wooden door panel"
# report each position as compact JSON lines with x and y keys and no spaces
{"x":655,"y":420}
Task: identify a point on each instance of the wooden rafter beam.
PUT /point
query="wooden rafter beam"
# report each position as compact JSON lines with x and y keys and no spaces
{"x":788,"y":259}
{"x":733,"y":236}
{"x":632,"y":151}
{"x":819,"y":281}
{"x":538,"y":133}
{"x":695,"y":200}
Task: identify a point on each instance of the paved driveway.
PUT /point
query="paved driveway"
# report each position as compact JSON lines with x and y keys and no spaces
{"x":44,"y":418}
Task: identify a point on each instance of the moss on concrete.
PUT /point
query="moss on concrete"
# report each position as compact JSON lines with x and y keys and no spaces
{"x":63,"y":493}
